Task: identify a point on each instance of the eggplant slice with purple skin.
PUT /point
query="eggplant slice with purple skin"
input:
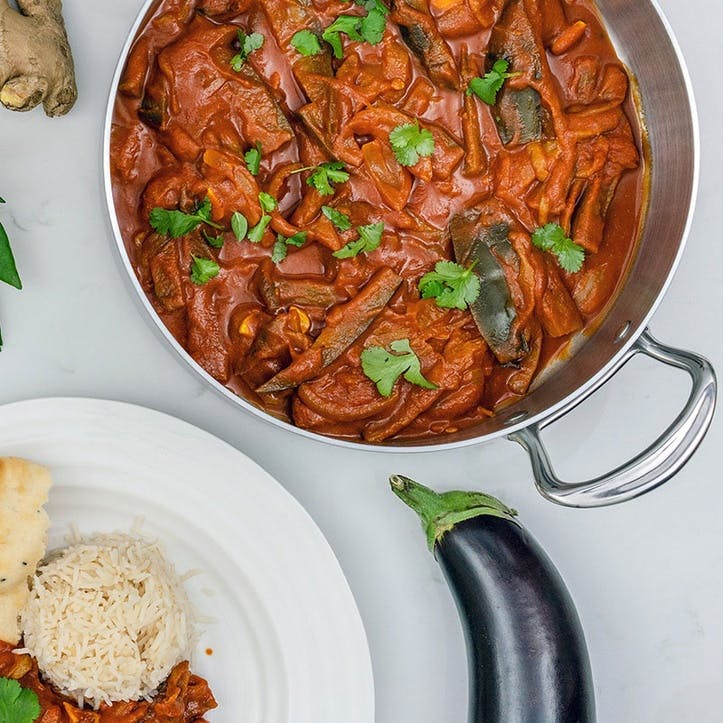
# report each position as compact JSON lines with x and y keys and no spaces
{"x":528,"y":661}
{"x":519,"y":113}
{"x":487,"y":245}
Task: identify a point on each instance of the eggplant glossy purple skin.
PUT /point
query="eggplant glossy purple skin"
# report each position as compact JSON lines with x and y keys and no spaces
{"x":528,"y":661}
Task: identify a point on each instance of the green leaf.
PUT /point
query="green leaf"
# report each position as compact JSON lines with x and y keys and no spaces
{"x":267,"y":201}
{"x":239,"y":225}
{"x":279,"y":251}
{"x":347,"y":24}
{"x":324,"y":175}
{"x":257,"y":232}
{"x":247,"y":44}
{"x":175,"y":223}
{"x":8,"y":269}
{"x":451,"y":285}
{"x":203,"y":270}
{"x":17,"y":704}
{"x":369,"y":239}
{"x":486,"y":88}
{"x":551,"y":237}
{"x":282,"y":243}
{"x":215,"y":241}
{"x":371,"y":235}
{"x":306,"y":43}
{"x":298,"y":239}
{"x":339,"y":219}
{"x":373,"y":25}
{"x":570,"y":256}
{"x":253,"y":159}
{"x":384,"y":368}
{"x":409,"y":142}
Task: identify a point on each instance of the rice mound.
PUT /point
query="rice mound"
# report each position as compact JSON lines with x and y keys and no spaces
{"x":107,"y":619}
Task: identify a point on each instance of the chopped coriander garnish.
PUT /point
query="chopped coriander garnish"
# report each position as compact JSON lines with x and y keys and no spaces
{"x":247,"y":44}
{"x":384,"y":367}
{"x":306,"y":43}
{"x":347,"y":24}
{"x":215,"y":241}
{"x":253,"y":159}
{"x":409,"y":142}
{"x":175,"y":223}
{"x":373,"y":25}
{"x":18,"y":704}
{"x":282,"y":243}
{"x":551,"y":237}
{"x":339,"y":219}
{"x":486,"y":88}
{"x":203,"y":270}
{"x":451,"y":285}
{"x":369,"y":239}
{"x":267,"y":201}
{"x":324,"y":175}
{"x":239,"y":225}
{"x":369,"y":27}
{"x":257,"y":232}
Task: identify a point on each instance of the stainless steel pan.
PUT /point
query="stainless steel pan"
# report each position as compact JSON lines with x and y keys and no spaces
{"x":645,"y":42}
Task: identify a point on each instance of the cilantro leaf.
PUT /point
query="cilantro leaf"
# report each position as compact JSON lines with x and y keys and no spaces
{"x":373,"y":5}
{"x":253,"y":159}
{"x":282,"y":243}
{"x":175,"y":223}
{"x":551,"y":238}
{"x":369,"y":239}
{"x":486,"y":88}
{"x":409,"y":142}
{"x":17,"y":704}
{"x":373,"y":25}
{"x":384,"y":368}
{"x":451,"y":285}
{"x":239,"y":225}
{"x":279,"y":251}
{"x":215,"y":241}
{"x":306,"y":43}
{"x":247,"y":44}
{"x":257,"y":232}
{"x":324,"y":175}
{"x":347,"y":24}
{"x":339,"y":219}
{"x":267,"y":201}
{"x":203,"y":270}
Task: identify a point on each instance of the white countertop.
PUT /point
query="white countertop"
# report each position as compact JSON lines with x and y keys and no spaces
{"x":647,"y":576}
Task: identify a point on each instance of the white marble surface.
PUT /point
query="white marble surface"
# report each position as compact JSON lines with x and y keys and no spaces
{"x":647,"y":576}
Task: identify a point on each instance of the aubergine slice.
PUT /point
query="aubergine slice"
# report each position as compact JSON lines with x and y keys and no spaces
{"x":421,"y":35}
{"x":487,"y":246}
{"x":345,"y":324}
{"x":519,"y":116}
{"x":519,"y":113}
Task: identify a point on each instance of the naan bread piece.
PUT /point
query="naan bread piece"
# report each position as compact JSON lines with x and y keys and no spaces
{"x":24,"y":488}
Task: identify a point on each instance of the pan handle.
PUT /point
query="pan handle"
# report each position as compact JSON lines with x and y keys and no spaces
{"x":658,"y":463}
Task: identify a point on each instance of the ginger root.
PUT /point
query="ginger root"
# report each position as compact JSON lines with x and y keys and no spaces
{"x":36,"y":65}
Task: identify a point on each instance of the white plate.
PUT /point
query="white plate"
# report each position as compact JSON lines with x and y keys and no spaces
{"x":288,"y":643}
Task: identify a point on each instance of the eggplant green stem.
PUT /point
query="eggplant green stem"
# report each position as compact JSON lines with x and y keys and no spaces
{"x":440,"y":512}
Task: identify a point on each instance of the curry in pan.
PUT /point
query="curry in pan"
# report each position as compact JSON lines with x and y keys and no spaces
{"x":377,"y":220}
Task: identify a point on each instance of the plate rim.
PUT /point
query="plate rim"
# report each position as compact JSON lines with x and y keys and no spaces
{"x":77,"y":408}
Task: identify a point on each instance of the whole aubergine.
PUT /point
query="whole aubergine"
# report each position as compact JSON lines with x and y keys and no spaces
{"x":528,"y":662}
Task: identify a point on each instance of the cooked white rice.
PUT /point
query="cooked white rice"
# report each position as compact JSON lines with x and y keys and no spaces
{"x":107,"y":619}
